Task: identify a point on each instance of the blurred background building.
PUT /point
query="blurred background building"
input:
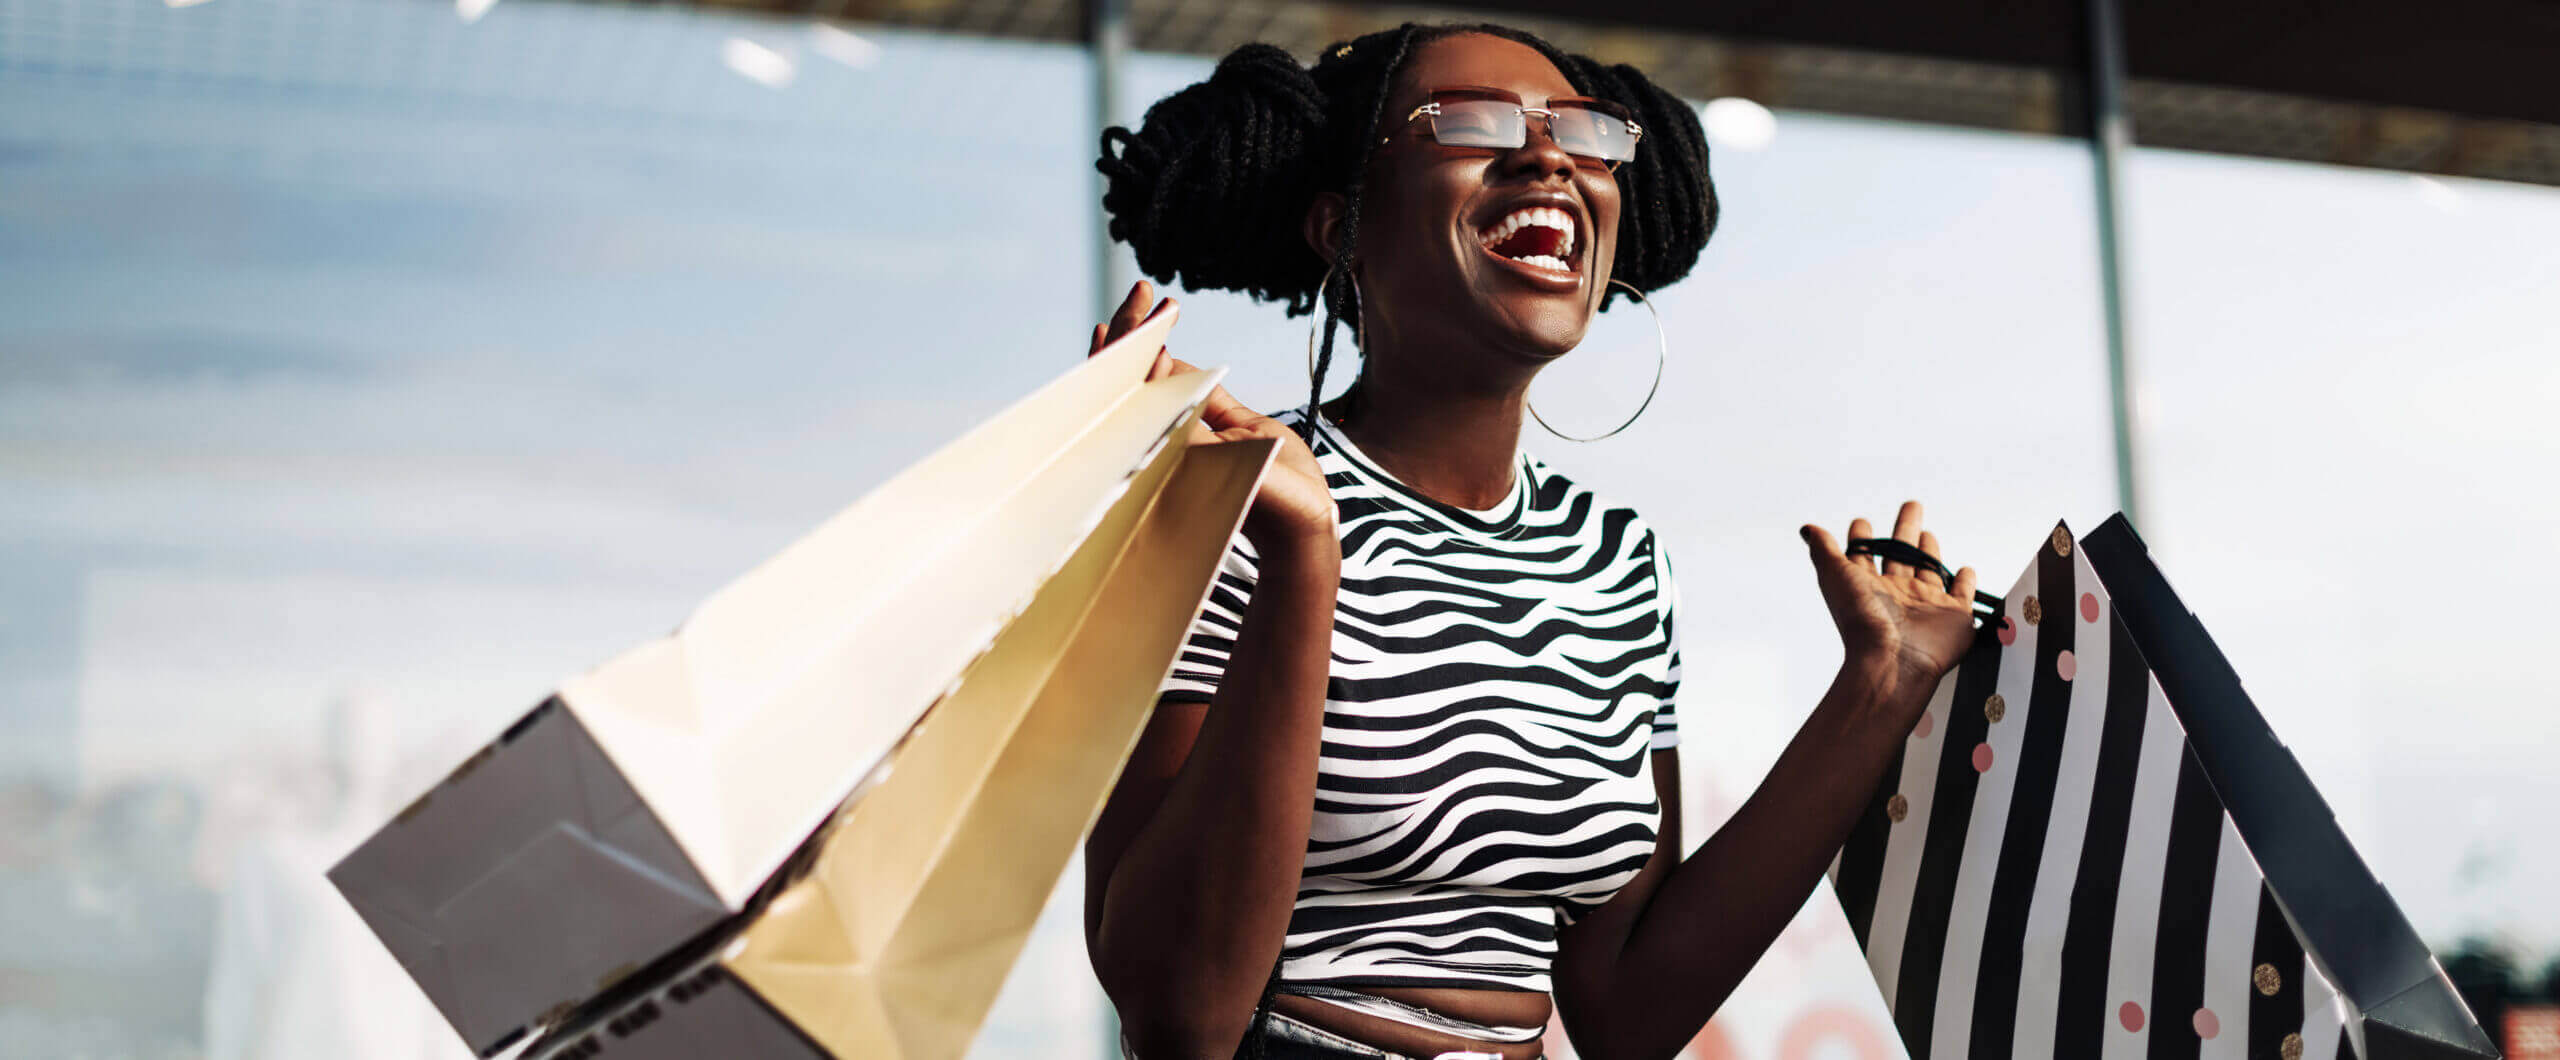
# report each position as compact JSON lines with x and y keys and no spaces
{"x":368,"y":365}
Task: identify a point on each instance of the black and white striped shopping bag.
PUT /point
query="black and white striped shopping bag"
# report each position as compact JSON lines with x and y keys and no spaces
{"x":2069,"y":860}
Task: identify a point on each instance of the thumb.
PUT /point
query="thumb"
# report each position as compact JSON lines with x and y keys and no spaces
{"x":1830,"y":565}
{"x":1826,"y":552}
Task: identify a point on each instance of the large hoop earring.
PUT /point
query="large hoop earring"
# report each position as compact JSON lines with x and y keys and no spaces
{"x":1662,"y":353}
{"x":1359,"y":339}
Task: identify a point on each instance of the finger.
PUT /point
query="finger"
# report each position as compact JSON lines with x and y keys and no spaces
{"x":1830,"y":566}
{"x":1819,"y":540}
{"x":1906,"y":529}
{"x":1132,"y":309}
{"x":1098,"y":332}
{"x":1965,"y":582}
{"x":1164,"y":354}
{"x":1221,"y":415}
{"x":1167,"y":365}
{"x":1140,"y":293}
{"x":1929,"y":545}
{"x":1223,"y":411}
{"x":1859,"y":528}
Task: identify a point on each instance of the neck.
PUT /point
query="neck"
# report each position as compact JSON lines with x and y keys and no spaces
{"x":1456,"y":446}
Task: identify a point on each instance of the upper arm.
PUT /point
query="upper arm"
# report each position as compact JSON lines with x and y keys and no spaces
{"x":1162,"y":748}
{"x":1666,"y":786}
{"x":1165,"y":744}
{"x":1609,"y":925}
{"x":1588,"y":950}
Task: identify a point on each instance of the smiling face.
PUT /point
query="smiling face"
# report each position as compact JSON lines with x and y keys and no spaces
{"x":1444,"y":229}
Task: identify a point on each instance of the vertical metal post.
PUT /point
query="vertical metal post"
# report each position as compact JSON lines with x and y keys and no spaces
{"x":1106,"y":35}
{"x":1106,"y":38}
{"x":2110,"y":136}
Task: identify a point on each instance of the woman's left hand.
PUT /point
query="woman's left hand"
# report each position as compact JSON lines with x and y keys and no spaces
{"x":1901,"y":622}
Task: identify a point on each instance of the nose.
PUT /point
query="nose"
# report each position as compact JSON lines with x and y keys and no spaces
{"x":1537,"y":157}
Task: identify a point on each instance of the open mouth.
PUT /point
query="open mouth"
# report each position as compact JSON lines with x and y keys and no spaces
{"x":1537,"y":236}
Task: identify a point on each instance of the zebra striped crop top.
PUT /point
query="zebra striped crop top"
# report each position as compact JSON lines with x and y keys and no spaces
{"x":1498,"y":679}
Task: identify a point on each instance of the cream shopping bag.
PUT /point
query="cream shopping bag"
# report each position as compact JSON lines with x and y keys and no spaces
{"x":894,"y":937}
{"x":654,"y":796}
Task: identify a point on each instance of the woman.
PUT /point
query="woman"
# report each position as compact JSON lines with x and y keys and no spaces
{"x":1417,"y":770}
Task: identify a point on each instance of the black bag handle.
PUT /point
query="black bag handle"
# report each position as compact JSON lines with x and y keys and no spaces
{"x":1986,"y":606}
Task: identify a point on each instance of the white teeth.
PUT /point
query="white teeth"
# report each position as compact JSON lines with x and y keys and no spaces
{"x":1546,"y":261}
{"x":1541,"y":216}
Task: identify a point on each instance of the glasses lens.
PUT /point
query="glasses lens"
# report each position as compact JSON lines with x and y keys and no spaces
{"x":1479,"y":123}
{"x":1582,"y":129}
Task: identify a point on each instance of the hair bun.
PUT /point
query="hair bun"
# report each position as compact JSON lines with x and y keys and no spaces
{"x":1211,"y":189}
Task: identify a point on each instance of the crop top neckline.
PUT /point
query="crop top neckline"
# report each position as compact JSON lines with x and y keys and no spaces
{"x":1505,"y":515}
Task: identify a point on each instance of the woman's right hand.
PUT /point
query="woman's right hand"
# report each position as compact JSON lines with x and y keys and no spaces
{"x":1293,"y":507}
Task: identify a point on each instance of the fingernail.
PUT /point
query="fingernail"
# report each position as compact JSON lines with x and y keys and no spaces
{"x":1805,"y":532}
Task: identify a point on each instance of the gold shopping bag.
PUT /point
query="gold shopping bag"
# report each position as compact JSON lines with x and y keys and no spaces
{"x":893,"y":937}
{"x":651,"y":798}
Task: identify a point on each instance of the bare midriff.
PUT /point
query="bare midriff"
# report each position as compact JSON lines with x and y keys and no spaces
{"x":1493,"y":1008}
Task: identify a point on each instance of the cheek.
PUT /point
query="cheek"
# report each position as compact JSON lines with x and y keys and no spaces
{"x":1409,"y":216}
{"x":1601,"y":193}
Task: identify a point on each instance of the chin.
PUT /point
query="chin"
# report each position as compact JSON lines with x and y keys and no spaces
{"x":1553,"y":343}
{"x":1544,"y":328}
{"x":1542,"y":313}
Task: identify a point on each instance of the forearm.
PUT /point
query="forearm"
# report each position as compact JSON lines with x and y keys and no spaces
{"x":1197,"y":906}
{"x":1720,"y":909}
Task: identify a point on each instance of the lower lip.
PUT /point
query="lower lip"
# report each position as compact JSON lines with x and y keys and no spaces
{"x":1559,"y":282}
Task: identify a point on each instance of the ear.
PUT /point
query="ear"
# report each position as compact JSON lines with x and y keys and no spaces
{"x":1323,"y":227}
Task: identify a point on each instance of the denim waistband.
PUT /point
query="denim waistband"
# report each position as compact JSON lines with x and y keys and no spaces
{"x":1285,"y":1038}
{"x":1294,"y":1039}
{"x":1411,"y":1015}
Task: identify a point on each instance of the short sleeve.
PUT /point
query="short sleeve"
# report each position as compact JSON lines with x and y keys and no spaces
{"x":1666,"y":593}
{"x":1203,"y":662}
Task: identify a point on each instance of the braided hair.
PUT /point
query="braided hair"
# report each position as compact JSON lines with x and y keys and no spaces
{"x":1213,"y":187}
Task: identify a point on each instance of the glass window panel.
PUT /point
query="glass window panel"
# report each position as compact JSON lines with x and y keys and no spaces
{"x":2347,"y":387}
{"x":366,"y":371}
